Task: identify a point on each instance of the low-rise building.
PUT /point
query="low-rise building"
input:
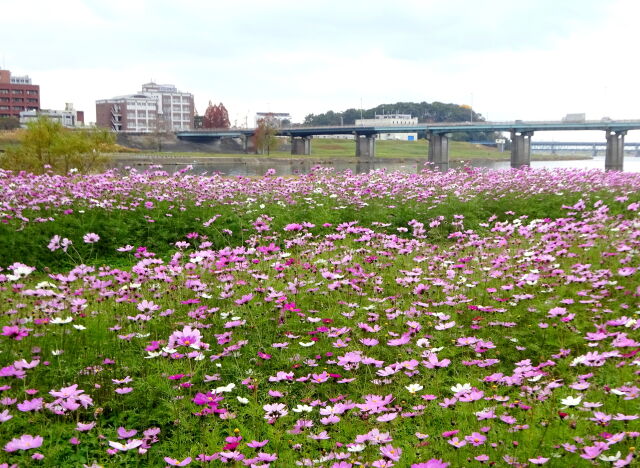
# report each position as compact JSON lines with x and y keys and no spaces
{"x":69,"y":117}
{"x":17,"y":94}
{"x":392,"y":120}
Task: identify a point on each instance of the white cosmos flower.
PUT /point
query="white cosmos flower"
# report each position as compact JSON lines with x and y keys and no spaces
{"x":422,"y":343}
{"x":306,"y":344}
{"x":57,"y":352}
{"x":355,"y":448}
{"x":303,"y":408}
{"x":610,"y":458}
{"x":571,"y":401}
{"x":413,"y":388}
{"x":79,"y":327}
{"x":461,"y":388}
{"x":243,"y":400}
{"x":225,"y":388}
{"x":58,"y":320}
{"x":151,"y":355}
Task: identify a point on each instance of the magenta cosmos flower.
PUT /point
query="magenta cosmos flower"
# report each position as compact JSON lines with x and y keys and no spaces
{"x":187,"y":337}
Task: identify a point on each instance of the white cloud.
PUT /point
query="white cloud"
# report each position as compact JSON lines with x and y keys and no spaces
{"x":511,"y":60}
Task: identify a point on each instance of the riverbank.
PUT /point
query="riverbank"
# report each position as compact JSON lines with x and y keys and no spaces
{"x":324,"y":151}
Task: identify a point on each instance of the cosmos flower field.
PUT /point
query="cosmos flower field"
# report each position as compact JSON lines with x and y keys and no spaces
{"x":330,"y":320}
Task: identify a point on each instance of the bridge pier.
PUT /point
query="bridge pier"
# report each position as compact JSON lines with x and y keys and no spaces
{"x":520,"y":149}
{"x":614,"y":156}
{"x":365,"y":146}
{"x":245,"y":143}
{"x":301,"y":145}
{"x":439,"y":151}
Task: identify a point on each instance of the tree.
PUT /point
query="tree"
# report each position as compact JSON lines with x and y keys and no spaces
{"x":47,"y":145}
{"x":216,"y":117}
{"x":264,"y":137}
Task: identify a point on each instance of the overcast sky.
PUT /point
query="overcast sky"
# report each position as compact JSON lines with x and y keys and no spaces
{"x":511,"y":59}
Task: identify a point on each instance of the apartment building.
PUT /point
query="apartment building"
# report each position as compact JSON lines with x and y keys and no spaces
{"x":156,"y":108}
{"x":17,"y":94}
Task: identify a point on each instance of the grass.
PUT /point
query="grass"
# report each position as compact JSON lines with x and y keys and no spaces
{"x":340,"y":148}
{"x":326,"y":291}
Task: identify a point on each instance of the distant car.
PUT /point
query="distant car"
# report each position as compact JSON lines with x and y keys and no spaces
{"x":605,"y":119}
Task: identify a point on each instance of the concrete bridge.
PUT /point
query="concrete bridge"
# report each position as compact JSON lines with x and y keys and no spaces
{"x":438,"y":135}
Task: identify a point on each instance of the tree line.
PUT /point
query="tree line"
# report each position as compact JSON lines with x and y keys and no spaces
{"x":425,"y":112}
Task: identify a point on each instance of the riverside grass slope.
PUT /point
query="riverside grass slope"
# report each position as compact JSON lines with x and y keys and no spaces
{"x":332,"y":320}
{"x":338,"y":148}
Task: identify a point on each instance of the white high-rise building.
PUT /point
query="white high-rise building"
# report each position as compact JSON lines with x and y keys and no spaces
{"x":156,"y":108}
{"x":175,"y":108}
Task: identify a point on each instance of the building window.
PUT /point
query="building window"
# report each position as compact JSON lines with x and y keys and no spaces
{"x":16,"y":91}
{"x":32,"y":91}
{"x":4,"y":91}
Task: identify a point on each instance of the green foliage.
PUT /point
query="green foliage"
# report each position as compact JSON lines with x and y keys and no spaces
{"x":47,"y":145}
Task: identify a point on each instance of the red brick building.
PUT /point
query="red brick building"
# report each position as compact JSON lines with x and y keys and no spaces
{"x":17,"y":94}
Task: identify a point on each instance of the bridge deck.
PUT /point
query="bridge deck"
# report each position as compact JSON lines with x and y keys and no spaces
{"x":519,"y":126}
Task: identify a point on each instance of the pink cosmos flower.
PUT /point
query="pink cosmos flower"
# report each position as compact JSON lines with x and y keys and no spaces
{"x":24,"y":442}
{"x":5,"y":416}
{"x":125,"y":433}
{"x":257,"y":444}
{"x":131,"y":444}
{"x":275,"y":411}
{"x":91,"y":238}
{"x":433,"y":463}
{"x":31,"y":405}
{"x":539,"y":460}
{"x":391,"y":452}
{"x":476,"y":439}
{"x":84,"y":427}
{"x":174,"y":462}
